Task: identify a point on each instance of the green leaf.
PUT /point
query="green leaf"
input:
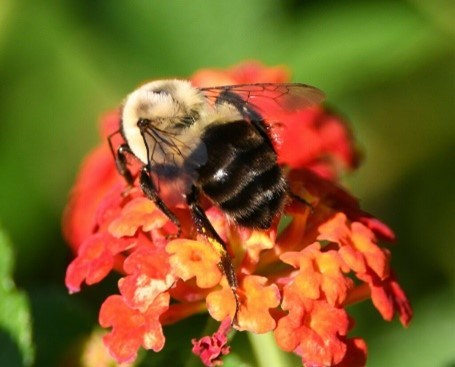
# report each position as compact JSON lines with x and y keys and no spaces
{"x":16,"y":347}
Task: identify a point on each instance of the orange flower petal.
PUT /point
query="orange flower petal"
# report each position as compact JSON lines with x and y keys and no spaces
{"x":364,"y":241}
{"x":251,"y":244}
{"x":358,"y":245}
{"x":256,"y":300}
{"x":320,"y":274}
{"x":138,"y":213}
{"x":287,"y":333}
{"x":255,"y":241}
{"x":195,"y":259}
{"x":354,"y":259}
{"x":221,"y":303}
{"x":335,"y":229}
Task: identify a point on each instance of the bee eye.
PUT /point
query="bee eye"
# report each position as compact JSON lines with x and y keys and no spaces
{"x":160,"y":91}
{"x":142,"y":123}
{"x":189,"y":119}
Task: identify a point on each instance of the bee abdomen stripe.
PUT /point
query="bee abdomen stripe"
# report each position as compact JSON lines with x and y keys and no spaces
{"x":260,"y":193}
{"x":228,"y":181}
{"x":262,"y":216}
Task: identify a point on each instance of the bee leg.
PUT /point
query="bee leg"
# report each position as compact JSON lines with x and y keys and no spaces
{"x":148,"y":188}
{"x":121,"y":163}
{"x":120,"y":159}
{"x":300,"y":200}
{"x":205,"y":228}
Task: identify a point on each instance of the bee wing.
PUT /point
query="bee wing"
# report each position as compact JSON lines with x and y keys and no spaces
{"x":266,"y":104}
{"x":267,"y":97}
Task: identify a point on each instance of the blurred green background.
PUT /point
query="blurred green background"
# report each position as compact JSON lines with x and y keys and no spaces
{"x":387,"y":65}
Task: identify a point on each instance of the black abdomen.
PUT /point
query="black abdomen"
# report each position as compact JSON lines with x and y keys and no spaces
{"x":242,"y":175}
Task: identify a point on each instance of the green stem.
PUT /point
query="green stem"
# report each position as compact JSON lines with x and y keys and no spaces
{"x":266,"y":351}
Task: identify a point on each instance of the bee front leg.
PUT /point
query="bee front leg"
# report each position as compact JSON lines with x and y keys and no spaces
{"x":148,"y":188}
{"x":121,"y":163}
{"x":205,"y":228}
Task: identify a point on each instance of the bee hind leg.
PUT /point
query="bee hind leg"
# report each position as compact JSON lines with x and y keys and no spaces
{"x":301,"y":200}
{"x":149,"y":190}
{"x":205,"y":228}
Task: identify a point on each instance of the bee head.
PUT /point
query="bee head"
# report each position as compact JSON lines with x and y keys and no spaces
{"x":165,"y":104}
{"x":163,"y":109}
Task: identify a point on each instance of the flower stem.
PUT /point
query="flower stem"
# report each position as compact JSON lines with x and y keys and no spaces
{"x":359,"y":294}
{"x":266,"y":350}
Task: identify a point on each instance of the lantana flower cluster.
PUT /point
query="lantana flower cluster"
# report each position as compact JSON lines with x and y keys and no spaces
{"x":296,"y":279}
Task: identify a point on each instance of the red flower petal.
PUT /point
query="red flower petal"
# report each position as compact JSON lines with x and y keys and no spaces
{"x":325,"y":143}
{"x":149,"y":276}
{"x":97,"y":176}
{"x":388,"y":297}
{"x":336,"y":199}
{"x":312,"y":329}
{"x":244,"y":73}
{"x":381,"y":230}
{"x":95,"y":260}
{"x":256,"y":72}
{"x":211,"y":348}
{"x":132,"y":328}
{"x":356,"y":354}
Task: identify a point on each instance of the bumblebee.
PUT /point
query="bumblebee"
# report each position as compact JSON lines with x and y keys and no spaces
{"x":213,"y":142}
